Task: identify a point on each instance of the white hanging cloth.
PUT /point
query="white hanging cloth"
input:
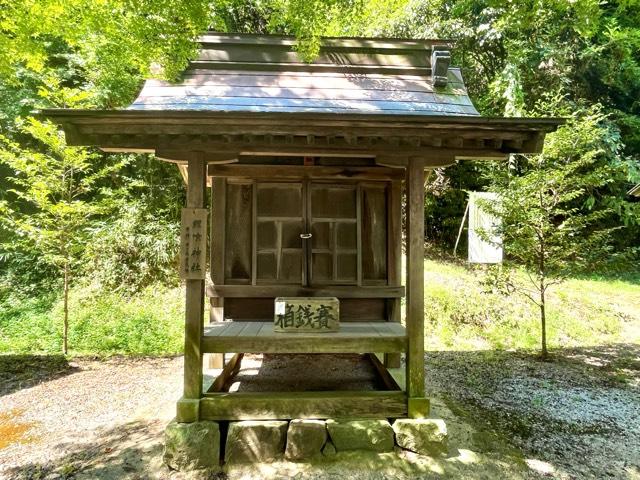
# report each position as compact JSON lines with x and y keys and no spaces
{"x":480,"y":250}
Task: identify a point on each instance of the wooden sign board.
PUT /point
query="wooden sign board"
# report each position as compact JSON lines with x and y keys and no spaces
{"x":306,"y":314}
{"x":193,"y":243}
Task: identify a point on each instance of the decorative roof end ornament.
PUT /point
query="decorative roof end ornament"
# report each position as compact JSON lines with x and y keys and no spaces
{"x":440,"y":61}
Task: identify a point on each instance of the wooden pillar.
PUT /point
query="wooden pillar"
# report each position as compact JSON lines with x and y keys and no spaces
{"x":394,"y":255}
{"x":418,"y":406}
{"x":217,"y":238}
{"x":188,"y":406}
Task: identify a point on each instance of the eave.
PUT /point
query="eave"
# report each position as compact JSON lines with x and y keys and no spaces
{"x":438,"y":139}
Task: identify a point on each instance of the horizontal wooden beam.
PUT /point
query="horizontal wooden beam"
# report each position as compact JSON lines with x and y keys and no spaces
{"x":260,"y":337}
{"x":286,"y":406}
{"x":182,"y":156}
{"x":305,"y":130}
{"x":299,"y":172}
{"x":296,"y":119}
{"x":297,"y":145}
{"x":272,"y":291}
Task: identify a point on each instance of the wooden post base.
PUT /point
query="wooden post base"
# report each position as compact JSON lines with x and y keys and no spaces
{"x":419,"y":407}
{"x":214,"y":360}
{"x":188,"y":410}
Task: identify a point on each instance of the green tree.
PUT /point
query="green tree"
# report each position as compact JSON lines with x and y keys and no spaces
{"x":57,"y":197}
{"x":515,"y":54}
{"x":551,"y":224}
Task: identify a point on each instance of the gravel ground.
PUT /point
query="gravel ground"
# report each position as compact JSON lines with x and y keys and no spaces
{"x":578,"y":414}
{"x":509,"y":416}
{"x":291,"y":372}
{"x":69,"y":418}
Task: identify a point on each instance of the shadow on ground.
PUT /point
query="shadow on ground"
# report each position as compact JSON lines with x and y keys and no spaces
{"x":24,"y":371}
{"x":129,"y":451}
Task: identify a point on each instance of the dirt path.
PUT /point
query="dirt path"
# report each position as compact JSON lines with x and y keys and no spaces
{"x":104,"y":420}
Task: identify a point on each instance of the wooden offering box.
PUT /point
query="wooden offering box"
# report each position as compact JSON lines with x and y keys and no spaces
{"x":306,"y":314}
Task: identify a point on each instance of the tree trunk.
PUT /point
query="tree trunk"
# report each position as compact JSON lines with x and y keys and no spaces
{"x":543,"y":320}
{"x":65,"y":324}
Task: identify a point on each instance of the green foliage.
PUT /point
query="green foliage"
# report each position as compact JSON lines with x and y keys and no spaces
{"x":550,"y":221}
{"x":551,"y":218}
{"x":588,"y":311}
{"x":26,"y":326}
{"x":56,"y":194}
{"x":102,"y":323}
{"x":56,"y":197}
{"x":115,"y":42}
{"x":132,"y":250}
{"x":517,"y":54}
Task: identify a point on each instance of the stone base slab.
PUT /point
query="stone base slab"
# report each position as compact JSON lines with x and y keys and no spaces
{"x":427,"y":436}
{"x":192,"y":446}
{"x":197,"y":445}
{"x":253,"y":441}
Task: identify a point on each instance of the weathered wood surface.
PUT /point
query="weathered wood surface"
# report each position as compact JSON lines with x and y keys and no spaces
{"x":258,"y":73}
{"x":415,"y":280}
{"x":175,"y":122}
{"x":262,"y":308}
{"x":239,"y":229}
{"x":194,"y":302}
{"x":228,"y":372}
{"x":321,"y":405}
{"x":218,"y":220}
{"x":386,"y":377}
{"x":254,"y":291}
{"x":335,"y":42}
{"x":373,"y":214}
{"x":298,"y":172}
{"x":193,"y":243}
{"x":234,"y":133}
{"x":279,"y":223}
{"x":394,"y":257}
{"x":260,"y":337}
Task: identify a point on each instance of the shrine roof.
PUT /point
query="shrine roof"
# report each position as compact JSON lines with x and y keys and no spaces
{"x":264,"y":73}
{"x":253,"y":94}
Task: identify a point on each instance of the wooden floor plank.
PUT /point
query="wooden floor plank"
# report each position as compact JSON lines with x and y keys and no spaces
{"x":216,"y":329}
{"x":259,"y":337}
{"x":252,"y":329}
{"x":234,"y":329}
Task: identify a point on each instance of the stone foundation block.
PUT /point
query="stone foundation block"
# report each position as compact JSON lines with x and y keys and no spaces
{"x":427,"y":436}
{"x":255,"y":441}
{"x":305,"y":439}
{"x":373,"y":435}
{"x":192,"y":446}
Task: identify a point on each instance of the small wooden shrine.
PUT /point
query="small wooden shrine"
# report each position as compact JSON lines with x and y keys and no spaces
{"x":310,"y":167}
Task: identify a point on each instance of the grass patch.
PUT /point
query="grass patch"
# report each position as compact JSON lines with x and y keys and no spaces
{"x":101,"y":323}
{"x":461,"y":315}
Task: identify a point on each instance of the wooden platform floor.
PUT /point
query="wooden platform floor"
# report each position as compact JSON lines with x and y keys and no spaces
{"x":301,"y":372}
{"x":259,"y":337}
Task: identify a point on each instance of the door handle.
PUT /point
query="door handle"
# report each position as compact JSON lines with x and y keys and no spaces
{"x":305,"y":236}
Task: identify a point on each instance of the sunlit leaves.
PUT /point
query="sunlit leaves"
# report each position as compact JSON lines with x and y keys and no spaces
{"x":56,"y":191}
